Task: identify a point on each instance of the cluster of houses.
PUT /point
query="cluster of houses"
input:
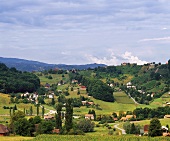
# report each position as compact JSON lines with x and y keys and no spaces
{"x":33,"y":97}
{"x":129,"y":85}
{"x":87,"y":103}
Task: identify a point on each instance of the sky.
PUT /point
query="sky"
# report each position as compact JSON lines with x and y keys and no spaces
{"x":85,"y":31}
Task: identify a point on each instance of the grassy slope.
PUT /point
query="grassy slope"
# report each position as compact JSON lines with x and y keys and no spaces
{"x":123,"y":103}
{"x":55,"y":80}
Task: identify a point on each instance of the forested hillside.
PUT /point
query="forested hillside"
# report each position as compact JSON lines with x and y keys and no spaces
{"x":13,"y":81}
{"x":142,"y":82}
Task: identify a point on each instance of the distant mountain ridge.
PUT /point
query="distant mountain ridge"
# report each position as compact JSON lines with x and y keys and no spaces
{"x":28,"y":65}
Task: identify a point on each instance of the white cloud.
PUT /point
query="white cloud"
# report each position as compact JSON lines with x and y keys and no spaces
{"x":156,"y":39}
{"x":116,"y":59}
{"x":59,"y":30}
{"x":133,"y":59}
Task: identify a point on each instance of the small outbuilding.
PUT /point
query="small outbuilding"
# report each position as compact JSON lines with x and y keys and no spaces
{"x":3,"y":130}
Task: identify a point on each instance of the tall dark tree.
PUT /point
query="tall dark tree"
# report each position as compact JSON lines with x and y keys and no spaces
{"x":43,"y":111}
{"x":37,"y":110}
{"x":31,"y":111}
{"x":52,"y":101}
{"x":169,"y":65}
{"x":15,"y":107}
{"x":69,"y":115}
{"x":132,"y":129}
{"x":58,"y":116}
{"x":10,"y":111}
{"x":155,"y":128}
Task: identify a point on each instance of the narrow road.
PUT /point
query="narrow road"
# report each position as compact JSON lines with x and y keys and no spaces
{"x":133,"y":99}
{"x":123,"y":131}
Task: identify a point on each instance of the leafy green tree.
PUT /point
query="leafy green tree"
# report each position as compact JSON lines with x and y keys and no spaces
{"x":22,"y":127}
{"x":127,"y":127}
{"x":15,"y":117}
{"x":69,"y":115}
{"x":37,"y":119}
{"x":41,"y":100}
{"x":155,"y":128}
{"x":132,"y":129}
{"x":86,"y":125}
{"x":45,"y":127}
{"x":61,"y":98}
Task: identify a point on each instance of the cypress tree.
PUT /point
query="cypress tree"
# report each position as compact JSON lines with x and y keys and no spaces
{"x":69,"y":115}
{"x":52,"y":101}
{"x":58,"y":116}
{"x":43,"y":111}
{"x":31,"y":111}
{"x":37,"y":110}
{"x":24,"y":111}
{"x":15,"y":107}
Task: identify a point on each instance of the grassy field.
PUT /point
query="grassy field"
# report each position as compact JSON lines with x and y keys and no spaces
{"x":121,"y":97}
{"x":164,"y":122}
{"x":15,"y":138}
{"x":96,"y":138}
{"x":109,"y":107}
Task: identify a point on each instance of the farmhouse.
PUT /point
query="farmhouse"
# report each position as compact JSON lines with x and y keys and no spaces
{"x":168,"y":103}
{"x":48,"y":117}
{"x":89,"y":116}
{"x":56,"y":131}
{"x":3,"y":130}
{"x":127,"y":117}
{"x":146,"y":129}
{"x":83,"y":102}
{"x":83,"y":88}
{"x":47,"y":85}
{"x":51,"y":95}
{"x":74,"y":81}
{"x":167,"y":116}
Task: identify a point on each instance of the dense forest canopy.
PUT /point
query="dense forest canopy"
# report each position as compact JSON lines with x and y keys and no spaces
{"x":95,"y":87}
{"x":12,"y":80}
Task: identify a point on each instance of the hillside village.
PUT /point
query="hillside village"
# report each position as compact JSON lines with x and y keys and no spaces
{"x":82,"y":97}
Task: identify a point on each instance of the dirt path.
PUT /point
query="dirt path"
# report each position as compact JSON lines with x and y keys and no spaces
{"x":123,"y":131}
